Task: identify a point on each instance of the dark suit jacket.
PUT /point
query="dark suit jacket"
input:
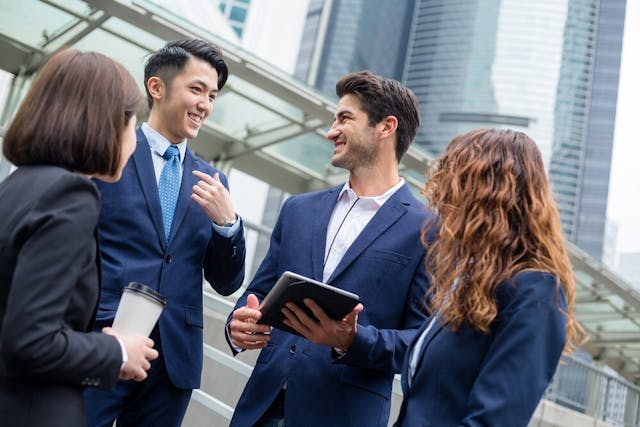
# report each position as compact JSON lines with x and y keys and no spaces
{"x":495,"y":379}
{"x":49,"y":286}
{"x":133,"y":247}
{"x":385,"y":266}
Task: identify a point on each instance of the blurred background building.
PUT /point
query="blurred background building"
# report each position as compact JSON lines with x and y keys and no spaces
{"x":549,"y":68}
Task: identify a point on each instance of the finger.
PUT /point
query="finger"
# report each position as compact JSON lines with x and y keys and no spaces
{"x":352,"y":317}
{"x":317,"y":311}
{"x":204,"y":177}
{"x":294,"y":321}
{"x":250,"y":341}
{"x":216,"y":177}
{"x":252,"y":302}
{"x":301,"y":315}
{"x":246,"y":315}
{"x":238,"y":327}
{"x":199,"y":200}
{"x":202,"y":190}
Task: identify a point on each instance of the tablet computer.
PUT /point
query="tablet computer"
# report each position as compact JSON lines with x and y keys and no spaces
{"x":292,"y":287}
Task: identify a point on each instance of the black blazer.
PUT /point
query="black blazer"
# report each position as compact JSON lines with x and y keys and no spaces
{"x":49,"y":289}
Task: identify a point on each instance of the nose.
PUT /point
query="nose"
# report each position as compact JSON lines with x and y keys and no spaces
{"x":205,"y":105}
{"x":333,"y":132}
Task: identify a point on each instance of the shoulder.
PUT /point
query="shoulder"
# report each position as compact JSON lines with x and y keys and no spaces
{"x":48,"y":180}
{"x":62,"y":190}
{"x":540,"y":287}
{"x":313,"y":197}
{"x":53,"y":195}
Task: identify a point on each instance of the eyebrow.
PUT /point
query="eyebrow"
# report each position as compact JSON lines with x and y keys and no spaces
{"x":205,"y":85}
{"x":342,"y":113}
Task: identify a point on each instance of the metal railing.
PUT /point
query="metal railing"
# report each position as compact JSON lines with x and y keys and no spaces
{"x":577,"y":385}
{"x":595,"y":391}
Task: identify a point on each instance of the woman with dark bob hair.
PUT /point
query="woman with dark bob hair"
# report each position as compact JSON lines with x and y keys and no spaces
{"x":76,"y":122}
{"x":502,"y":288}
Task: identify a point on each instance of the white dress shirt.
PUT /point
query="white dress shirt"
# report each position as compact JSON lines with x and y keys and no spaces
{"x":158,"y":145}
{"x":350,"y":216}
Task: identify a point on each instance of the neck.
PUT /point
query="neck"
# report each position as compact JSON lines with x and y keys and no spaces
{"x":155,"y":122}
{"x":374,"y":181}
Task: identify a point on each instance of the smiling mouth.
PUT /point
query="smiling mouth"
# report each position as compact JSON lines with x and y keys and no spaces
{"x":196,"y":118}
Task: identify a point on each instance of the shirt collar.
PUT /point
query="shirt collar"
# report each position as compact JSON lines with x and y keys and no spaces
{"x":159,"y":143}
{"x":378,"y":200}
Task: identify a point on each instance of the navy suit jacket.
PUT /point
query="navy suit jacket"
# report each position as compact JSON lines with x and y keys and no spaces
{"x":385,"y":266}
{"x":496,"y":379}
{"x":133,"y":248}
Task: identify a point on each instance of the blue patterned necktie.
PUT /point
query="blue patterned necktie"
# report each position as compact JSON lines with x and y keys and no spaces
{"x":169,"y":187}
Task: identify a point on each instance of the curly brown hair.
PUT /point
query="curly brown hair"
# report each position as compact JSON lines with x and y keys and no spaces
{"x":497,"y":218}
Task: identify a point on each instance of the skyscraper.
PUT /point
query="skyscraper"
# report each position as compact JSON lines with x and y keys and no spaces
{"x":585,"y":118}
{"x":341,"y":36}
{"x":549,"y":68}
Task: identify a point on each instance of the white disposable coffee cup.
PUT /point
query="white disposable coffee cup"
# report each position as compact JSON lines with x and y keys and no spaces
{"x":139,"y":310}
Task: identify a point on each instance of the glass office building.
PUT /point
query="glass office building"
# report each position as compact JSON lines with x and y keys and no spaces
{"x":342,"y":36}
{"x":585,"y":119}
{"x":548,"y":68}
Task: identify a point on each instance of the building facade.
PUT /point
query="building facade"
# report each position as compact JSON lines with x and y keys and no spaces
{"x":548,"y":68}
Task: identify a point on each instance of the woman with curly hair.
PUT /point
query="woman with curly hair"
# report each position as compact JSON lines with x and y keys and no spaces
{"x":502,"y":288}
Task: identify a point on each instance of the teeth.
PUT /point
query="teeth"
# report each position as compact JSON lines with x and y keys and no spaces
{"x":195,"y":117}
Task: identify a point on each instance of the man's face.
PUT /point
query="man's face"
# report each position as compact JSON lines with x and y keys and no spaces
{"x":187,"y":101}
{"x":352,"y":136}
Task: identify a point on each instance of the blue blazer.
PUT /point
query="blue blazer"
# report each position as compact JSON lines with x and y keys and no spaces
{"x":385,"y":266}
{"x":133,"y":248}
{"x":497,"y":379}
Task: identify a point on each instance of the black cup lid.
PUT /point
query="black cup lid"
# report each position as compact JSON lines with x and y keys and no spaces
{"x":147,"y":291}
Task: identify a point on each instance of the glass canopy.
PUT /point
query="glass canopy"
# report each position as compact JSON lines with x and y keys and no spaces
{"x":270,"y":126}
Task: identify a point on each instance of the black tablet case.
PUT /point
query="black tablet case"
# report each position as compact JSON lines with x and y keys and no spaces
{"x":292,"y":287}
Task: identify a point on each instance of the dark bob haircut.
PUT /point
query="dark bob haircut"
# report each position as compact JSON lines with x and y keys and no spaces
{"x":74,"y":114}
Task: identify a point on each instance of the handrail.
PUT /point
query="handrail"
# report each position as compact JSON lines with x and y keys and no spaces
{"x":577,"y":384}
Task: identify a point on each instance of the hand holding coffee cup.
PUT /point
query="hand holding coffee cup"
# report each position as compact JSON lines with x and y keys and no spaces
{"x":139,"y":354}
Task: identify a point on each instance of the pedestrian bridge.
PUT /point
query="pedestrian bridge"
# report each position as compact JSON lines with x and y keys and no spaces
{"x":272,"y":127}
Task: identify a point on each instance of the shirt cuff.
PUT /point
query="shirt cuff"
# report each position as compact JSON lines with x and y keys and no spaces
{"x":340,"y":353}
{"x":227,"y":231}
{"x":125,"y":357}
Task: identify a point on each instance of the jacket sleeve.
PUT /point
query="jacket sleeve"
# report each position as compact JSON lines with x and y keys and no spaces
{"x":224,"y":262}
{"x":520,"y":363}
{"x":58,"y":247}
{"x":266,"y":275}
{"x":385,"y":349}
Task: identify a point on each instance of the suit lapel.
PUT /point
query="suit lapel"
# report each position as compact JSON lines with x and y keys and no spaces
{"x":147,"y":178}
{"x":388,"y":214}
{"x":435,"y":330}
{"x":186,"y":185}
{"x":319,"y":230}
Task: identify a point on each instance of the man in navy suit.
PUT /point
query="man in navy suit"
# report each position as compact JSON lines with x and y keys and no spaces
{"x":364,"y":237}
{"x":182,"y":80}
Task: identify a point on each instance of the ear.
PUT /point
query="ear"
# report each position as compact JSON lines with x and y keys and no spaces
{"x":388,"y":126}
{"x":156,"y":88}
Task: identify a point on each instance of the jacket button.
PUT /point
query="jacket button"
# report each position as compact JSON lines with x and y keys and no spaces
{"x":292,"y":349}
{"x":234,"y":251}
{"x":168,"y":259}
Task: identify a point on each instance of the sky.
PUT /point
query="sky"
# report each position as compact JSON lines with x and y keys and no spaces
{"x":624,"y":183}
